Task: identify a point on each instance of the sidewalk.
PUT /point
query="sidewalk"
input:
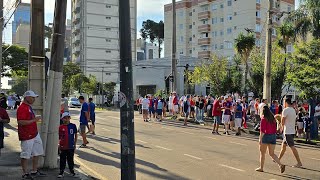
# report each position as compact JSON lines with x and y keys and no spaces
{"x":10,"y":168}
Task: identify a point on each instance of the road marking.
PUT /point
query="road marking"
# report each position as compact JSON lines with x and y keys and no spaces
{"x":315,"y":159}
{"x":105,"y":129}
{"x":192,"y":156}
{"x":142,"y":141}
{"x":238,"y":143}
{"x":167,"y":128}
{"x":186,"y":132}
{"x":210,"y":137}
{"x":164,"y":148}
{"x":91,"y":170}
{"x":223,"y":165}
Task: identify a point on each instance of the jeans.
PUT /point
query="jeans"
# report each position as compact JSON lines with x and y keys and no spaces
{"x":201,"y":114}
{"x":197,"y":113}
{"x":67,"y":155}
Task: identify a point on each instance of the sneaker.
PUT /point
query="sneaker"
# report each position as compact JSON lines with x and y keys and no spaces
{"x":218,"y":133}
{"x":60,"y":175}
{"x":237,"y":134}
{"x":27,"y":176}
{"x":228,"y":133}
{"x":83,"y":146}
{"x":38,"y":174}
{"x":213,"y":132}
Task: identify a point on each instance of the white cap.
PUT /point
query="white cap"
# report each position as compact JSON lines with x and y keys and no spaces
{"x":30,"y":93}
{"x":239,"y":100}
{"x":65,"y":114}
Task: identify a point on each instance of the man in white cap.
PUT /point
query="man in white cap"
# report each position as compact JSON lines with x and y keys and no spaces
{"x":31,"y":143}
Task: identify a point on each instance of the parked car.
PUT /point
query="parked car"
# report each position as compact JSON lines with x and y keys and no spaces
{"x":74,"y":102}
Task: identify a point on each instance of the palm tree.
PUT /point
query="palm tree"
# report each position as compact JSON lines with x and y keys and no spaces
{"x":244,"y":45}
{"x":306,"y":19}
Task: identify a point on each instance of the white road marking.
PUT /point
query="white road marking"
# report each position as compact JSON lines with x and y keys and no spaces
{"x":94,"y":173}
{"x":192,"y":156}
{"x":186,"y":132}
{"x":315,"y":159}
{"x":167,"y":128}
{"x":210,"y":137}
{"x":142,"y":141}
{"x":238,"y":143}
{"x":164,"y":148}
{"x":105,"y":129}
{"x":223,"y":165}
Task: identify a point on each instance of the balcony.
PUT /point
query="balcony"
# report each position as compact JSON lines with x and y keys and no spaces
{"x":204,"y":15}
{"x":204,"y":28}
{"x":204,"y":41}
{"x":204,"y":2}
{"x":204,"y":54}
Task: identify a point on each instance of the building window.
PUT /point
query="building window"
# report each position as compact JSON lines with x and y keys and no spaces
{"x":180,"y":13}
{"x":194,"y":49}
{"x":258,"y":28}
{"x":214,"y":7}
{"x":289,"y":48}
{"x":235,"y":13}
{"x":181,"y":52}
{"x":258,"y":15}
{"x":205,"y":22}
{"x":108,"y":62}
{"x":180,"y":26}
{"x":229,"y":30}
{"x":258,"y":1}
{"x":190,"y":13}
{"x":216,"y":46}
{"x":274,"y":32}
{"x":258,"y":42}
{"x":107,"y":51}
{"x":221,"y":6}
{"x":190,"y":26}
{"x":214,"y":34}
{"x":235,"y":27}
{"x":229,"y":3}
{"x":108,"y":40}
{"x":221,"y":46}
{"x":221,"y":33}
{"x":289,"y":8}
{"x":194,"y":36}
{"x":108,"y":6}
{"x":229,"y":45}
{"x":194,"y":10}
{"x":205,"y":8}
{"x":108,"y":29}
{"x":181,"y":39}
{"x":194,"y":23}
{"x":108,"y":17}
{"x":221,"y":20}
{"x":214,"y":20}
{"x":229,"y":17}
{"x":190,"y":39}
{"x":108,"y":74}
{"x":205,"y":35}
{"x":190,"y":51}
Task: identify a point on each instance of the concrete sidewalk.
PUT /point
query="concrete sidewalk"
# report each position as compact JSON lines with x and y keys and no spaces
{"x":10,"y":168}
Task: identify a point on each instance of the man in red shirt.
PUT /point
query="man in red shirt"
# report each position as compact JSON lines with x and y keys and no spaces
{"x":4,"y":118}
{"x":31,"y":143}
{"x":216,"y":113}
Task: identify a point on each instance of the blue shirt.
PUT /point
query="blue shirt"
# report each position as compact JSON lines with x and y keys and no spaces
{"x":92,"y":108}
{"x":238,"y":114}
{"x":83,"y":118}
{"x":66,"y":136}
{"x":160,"y":104}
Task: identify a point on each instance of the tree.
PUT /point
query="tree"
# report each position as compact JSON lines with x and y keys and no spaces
{"x":77,"y":82}
{"x":20,"y":86}
{"x":90,"y":87}
{"x":69,"y":70}
{"x":109,"y":89}
{"x":306,"y":19}
{"x":15,"y":60}
{"x":153,"y":31}
{"x":244,"y":45}
{"x":257,"y":71}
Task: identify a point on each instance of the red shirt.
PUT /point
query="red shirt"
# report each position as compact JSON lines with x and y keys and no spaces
{"x":216,"y":110}
{"x":267,"y":127}
{"x":175,"y":100}
{"x":192,"y":103}
{"x":29,"y":131}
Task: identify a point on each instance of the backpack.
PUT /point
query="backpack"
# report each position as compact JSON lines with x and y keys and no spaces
{"x":185,"y":106}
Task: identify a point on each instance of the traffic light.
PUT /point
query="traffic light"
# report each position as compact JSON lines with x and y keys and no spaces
{"x":98,"y":86}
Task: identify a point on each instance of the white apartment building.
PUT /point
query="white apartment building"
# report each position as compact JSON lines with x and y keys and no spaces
{"x":22,"y":36}
{"x":95,"y":37}
{"x":205,"y":27}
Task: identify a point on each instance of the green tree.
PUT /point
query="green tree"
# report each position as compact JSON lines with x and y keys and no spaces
{"x":257,"y":71}
{"x":77,"y":81}
{"x":305,"y":73}
{"x":244,"y":45}
{"x":69,"y":70}
{"x":109,"y":89}
{"x":306,"y":19}
{"x":15,"y":60}
{"x":90,"y":87}
{"x":234,"y":77}
{"x":154,"y":32}
{"x":20,"y":86}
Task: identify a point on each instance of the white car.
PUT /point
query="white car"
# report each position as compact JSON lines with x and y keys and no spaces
{"x":74,"y":102}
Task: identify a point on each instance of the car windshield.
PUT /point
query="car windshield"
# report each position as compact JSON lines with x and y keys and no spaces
{"x":74,"y":99}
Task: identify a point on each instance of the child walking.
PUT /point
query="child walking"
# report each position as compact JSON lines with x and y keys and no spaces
{"x":67,"y":142}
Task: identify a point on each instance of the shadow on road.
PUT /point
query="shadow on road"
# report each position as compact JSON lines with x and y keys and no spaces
{"x":288,"y":176}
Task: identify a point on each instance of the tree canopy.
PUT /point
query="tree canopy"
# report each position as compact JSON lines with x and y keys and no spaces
{"x":153,"y":31}
{"x":15,"y":60}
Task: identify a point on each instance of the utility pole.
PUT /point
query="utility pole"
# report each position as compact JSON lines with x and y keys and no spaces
{"x":55,"y":83}
{"x":128,"y":167}
{"x":1,"y":29}
{"x":267,"y":62}
{"x":174,"y":48}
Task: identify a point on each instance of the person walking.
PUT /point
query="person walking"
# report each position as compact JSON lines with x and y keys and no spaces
{"x":216,"y":113}
{"x":238,"y":116}
{"x":159,"y":107}
{"x":4,"y":118}
{"x":84,"y":119}
{"x":67,"y":143}
{"x":268,"y":139}
{"x":227,"y":106}
{"x":92,"y":115}
{"x":186,"y":109}
{"x":31,"y":143}
{"x":145,"y":108}
{"x":288,"y":122}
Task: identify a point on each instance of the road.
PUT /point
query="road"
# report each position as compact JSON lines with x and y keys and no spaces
{"x":169,"y":150}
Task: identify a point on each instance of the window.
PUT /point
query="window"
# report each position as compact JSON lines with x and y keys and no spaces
{"x":194,"y":49}
{"x":289,"y":8}
{"x":258,"y":1}
{"x":190,"y":13}
{"x":194,"y":23}
{"x":205,"y":8}
{"x":180,"y":13}
{"x":229,"y":30}
{"x":229,"y":17}
{"x":194,"y":36}
{"x":108,"y":74}
{"x":216,"y":46}
{"x":181,"y":52}
{"x":190,"y":51}
{"x":108,"y":51}
{"x":229,"y":3}
{"x":194,"y":10}
{"x":289,"y":48}
{"x":108,"y":29}
{"x":221,"y":20}
{"x":190,"y":26}
{"x":190,"y":39}
{"x":108,"y":17}
{"x":181,"y":38}
{"x":108,"y":6}
{"x":214,"y":34}
{"x":108,"y":62}
{"x":235,"y":27}
{"x":180,"y":26}
{"x":258,"y":15}
{"x":221,"y":6}
{"x":108,"y":40}
{"x":258,"y":28}
{"x":214,"y":20}
{"x":214,"y":7}
{"x":274,"y":32}
{"x":229,"y":45}
{"x":221,"y":46}
{"x":221,"y":33}
{"x":235,"y":13}
{"x":205,"y":22}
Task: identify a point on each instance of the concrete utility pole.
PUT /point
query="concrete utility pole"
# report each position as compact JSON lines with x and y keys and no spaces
{"x":36,"y":70}
{"x":128,"y":167}
{"x":174,"y":48}
{"x":267,"y":63}
{"x":1,"y":29}
{"x":55,"y":83}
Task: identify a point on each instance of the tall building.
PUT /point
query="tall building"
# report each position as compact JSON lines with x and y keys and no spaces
{"x":146,"y":51}
{"x":95,"y":39}
{"x":21,"y":16}
{"x":205,"y":27}
{"x":23,"y":36}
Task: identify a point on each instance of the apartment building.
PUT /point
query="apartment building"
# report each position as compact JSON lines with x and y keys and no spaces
{"x":22,"y":36}
{"x":205,"y":27}
{"x":95,"y":37}
{"x":20,"y":16}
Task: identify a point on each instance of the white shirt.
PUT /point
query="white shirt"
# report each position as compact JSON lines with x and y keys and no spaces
{"x":145,"y":103}
{"x":290,"y":114}
{"x":252,"y":106}
{"x":317,"y":109}
{"x":170,"y":100}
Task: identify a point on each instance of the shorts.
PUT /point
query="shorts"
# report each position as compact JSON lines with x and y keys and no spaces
{"x":186,"y":113}
{"x":238,"y":122}
{"x":82,"y":128}
{"x":151,"y":110}
{"x":300,"y":125}
{"x":269,"y":139}
{"x":176,"y":108}
{"x":232,"y":117}
{"x":159,"y":111}
{"x":169,"y":106}
{"x":217,"y":120}
{"x":145,"y":111}
{"x":31,"y":147}
{"x":93,"y":120}
{"x":288,"y":139}
{"x":191,"y":109}
{"x":225,"y":118}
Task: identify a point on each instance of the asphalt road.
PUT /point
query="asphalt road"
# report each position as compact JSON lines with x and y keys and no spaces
{"x":169,"y":150}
